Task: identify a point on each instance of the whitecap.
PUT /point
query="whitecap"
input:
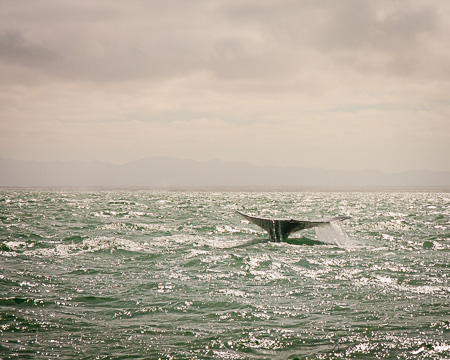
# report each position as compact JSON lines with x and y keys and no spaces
{"x":89,"y":245}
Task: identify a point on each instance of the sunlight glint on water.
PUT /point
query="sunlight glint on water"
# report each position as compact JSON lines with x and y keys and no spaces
{"x":178,"y":275}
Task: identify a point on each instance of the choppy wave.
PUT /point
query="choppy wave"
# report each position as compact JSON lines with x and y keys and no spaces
{"x":180,"y":275}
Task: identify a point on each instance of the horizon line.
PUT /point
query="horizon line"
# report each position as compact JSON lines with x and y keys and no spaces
{"x":368,"y":169}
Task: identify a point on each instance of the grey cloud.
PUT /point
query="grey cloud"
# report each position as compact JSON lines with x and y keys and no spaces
{"x":356,"y":25}
{"x":161,"y":41}
{"x":57,"y":13}
{"x":383,"y":37}
{"x":15,"y":49}
{"x":346,"y":24}
{"x":97,"y":41}
{"x":393,"y":43}
{"x":253,"y":42}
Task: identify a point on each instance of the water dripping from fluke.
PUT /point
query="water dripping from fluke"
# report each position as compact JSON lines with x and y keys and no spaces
{"x":333,"y":233}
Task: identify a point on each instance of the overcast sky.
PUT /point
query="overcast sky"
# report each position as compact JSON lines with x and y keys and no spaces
{"x":347,"y":84}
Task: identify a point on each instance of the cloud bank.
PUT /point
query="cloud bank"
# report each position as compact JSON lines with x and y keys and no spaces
{"x":347,"y":85}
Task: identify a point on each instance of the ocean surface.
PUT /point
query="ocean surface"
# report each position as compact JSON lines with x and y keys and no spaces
{"x":180,"y":275}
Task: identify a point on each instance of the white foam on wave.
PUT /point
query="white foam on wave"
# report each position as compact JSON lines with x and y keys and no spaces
{"x":139,"y":226}
{"x":197,"y":241}
{"x":90,"y":245}
{"x":15,"y":245}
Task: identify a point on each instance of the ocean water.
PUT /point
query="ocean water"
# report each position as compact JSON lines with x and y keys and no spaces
{"x":180,"y":275}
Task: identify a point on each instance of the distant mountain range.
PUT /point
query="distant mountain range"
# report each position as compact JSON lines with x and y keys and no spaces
{"x":170,"y":173}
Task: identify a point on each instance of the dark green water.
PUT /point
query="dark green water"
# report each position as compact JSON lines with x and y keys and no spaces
{"x":178,"y":275}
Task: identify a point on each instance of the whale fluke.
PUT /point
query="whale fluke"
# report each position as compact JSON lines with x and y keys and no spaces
{"x":280,"y":229}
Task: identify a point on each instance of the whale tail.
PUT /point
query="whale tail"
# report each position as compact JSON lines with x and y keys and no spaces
{"x":280,"y":229}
